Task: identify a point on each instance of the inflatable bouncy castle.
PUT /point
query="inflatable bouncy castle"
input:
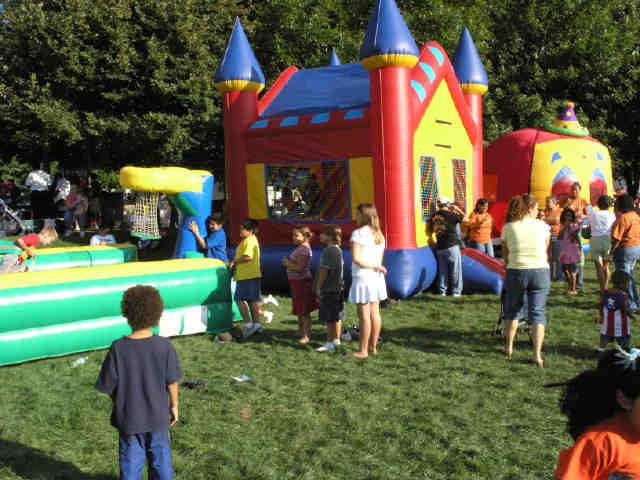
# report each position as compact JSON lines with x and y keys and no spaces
{"x":399,"y":128}
{"x":546,"y":161}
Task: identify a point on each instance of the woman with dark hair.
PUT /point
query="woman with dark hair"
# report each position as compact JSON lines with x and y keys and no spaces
{"x":601,"y":221}
{"x":525,"y":241}
{"x":602,"y":406}
{"x":575,"y":203}
{"x":625,"y":242}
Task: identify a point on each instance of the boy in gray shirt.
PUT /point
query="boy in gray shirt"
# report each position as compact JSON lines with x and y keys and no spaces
{"x":328,"y":285}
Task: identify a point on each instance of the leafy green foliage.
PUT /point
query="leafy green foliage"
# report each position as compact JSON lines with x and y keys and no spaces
{"x":102,"y":84}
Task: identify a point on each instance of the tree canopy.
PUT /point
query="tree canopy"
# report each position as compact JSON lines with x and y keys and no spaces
{"x":102,"y":84}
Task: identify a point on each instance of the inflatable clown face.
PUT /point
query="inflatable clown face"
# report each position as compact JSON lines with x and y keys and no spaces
{"x":559,"y":162}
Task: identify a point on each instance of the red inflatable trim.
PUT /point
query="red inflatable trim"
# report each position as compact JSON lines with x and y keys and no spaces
{"x":491,"y":263}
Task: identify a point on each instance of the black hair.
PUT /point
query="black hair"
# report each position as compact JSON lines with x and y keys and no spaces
{"x":214,"y":219}
{"x":142,"y":307}
{"x":604,"y":202}
{"x":624,"y":203}
{"x":590,"y":398}
{"x":481,"y":203}
{"x":567,"y":212}
{"x":250,"y":225}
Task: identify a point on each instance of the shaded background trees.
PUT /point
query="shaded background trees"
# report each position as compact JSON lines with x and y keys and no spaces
{"x":101,"y":84}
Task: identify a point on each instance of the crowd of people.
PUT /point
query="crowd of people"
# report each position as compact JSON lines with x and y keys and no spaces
{"x":602,"y":405}
{"x":538,"y":247}
{"x":73,"y":200}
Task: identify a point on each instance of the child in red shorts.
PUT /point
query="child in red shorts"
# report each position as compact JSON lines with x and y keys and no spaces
{"x":298,"y":265}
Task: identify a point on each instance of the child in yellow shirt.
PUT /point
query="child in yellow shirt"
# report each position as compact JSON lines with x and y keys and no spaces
{"x":247,"y":274}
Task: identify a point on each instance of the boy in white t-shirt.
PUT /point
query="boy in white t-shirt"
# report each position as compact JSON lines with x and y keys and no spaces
{"x":103,"y":237}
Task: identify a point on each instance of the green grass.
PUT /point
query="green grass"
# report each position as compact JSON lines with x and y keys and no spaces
{"x":439,"y":402}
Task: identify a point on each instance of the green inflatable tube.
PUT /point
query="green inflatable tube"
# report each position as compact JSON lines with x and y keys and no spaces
{"x":48,"y":298}
{"x":73,"y":257}
{"x":57,"y":340}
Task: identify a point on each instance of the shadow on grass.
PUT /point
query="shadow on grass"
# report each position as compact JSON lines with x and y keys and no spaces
{"x":444,"y":341}
{"x":29,"y":462}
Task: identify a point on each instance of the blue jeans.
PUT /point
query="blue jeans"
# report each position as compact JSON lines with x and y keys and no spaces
{"x":625,"y":259}
{"x":556,"y":266}
{"x":137,"y":448}
{"x":486,"y":248}
{"x":535,"y":284}
{"x":450,"y":270}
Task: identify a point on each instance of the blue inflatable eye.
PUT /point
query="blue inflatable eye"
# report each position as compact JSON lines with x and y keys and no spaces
{"x":555,"y":156}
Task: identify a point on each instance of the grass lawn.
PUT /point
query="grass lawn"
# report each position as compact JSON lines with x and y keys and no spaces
{"x":439,"y":402}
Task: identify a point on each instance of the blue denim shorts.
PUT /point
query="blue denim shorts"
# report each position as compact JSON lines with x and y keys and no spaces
{"x":248,"y":290}
{"x":535,"y":284}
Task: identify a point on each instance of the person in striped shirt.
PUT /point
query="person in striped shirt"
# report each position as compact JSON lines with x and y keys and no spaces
{"x":615,"y":314}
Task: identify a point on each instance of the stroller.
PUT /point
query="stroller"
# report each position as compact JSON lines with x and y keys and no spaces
{"x":10,"y":221}
{"x":524,"y":326}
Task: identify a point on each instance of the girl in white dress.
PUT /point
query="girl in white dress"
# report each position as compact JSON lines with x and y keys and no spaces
{"x":368,"y":286}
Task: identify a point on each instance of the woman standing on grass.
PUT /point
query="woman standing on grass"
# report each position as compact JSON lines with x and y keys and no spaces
{"x":525,"y":241}
{"x":368,"y":286}
{"x":625,"y":243}
{"x":601,"y":222}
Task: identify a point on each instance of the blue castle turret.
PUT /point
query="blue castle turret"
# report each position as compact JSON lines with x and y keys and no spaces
{"x":468,"y":66}
{"x":239,"y":69}
{"x":388,"y":41}
{"x":334,"y":60}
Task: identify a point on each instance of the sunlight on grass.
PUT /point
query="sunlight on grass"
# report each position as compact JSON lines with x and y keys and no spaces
{"x":439,"y":402}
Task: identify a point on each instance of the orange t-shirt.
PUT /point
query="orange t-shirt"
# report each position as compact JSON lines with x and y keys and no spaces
{"x":552,"y":217}
{"x":577,"y":204}
{"x":479,"y":225}
{"x":626,"y":229}
{"x":611,"y":447}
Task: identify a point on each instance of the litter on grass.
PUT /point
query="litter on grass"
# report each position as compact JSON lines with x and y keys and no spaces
{"x":243,"y":378}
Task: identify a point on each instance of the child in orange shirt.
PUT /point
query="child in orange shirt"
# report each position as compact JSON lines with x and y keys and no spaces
{"x":552,"y":217}
{"x":479,"y":225}
{"x":603,"y":411}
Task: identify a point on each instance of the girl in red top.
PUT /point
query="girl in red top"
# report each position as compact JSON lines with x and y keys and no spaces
{"x":603,"y":410}
{"x":298,"y":265}
{"x":479,"y":225}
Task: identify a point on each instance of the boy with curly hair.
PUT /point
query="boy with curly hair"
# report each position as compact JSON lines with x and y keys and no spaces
{"x":139,"y":373}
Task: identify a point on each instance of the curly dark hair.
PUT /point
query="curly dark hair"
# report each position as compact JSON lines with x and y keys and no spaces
{"x":142,"y":307}
{"x":604,"y":202}
{"x":624,"y":203}
{"x":590,"y":398}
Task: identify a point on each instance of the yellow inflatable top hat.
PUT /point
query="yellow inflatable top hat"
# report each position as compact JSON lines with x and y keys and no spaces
{"x":567,"y":123}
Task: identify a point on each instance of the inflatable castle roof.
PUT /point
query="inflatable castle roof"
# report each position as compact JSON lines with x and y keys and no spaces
{"x":317,"y":92}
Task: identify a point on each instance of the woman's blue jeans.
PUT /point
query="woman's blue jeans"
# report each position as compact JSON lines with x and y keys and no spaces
{"x":450,"y":270}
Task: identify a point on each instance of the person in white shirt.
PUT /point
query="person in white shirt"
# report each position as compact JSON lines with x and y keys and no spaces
{"x":103,"y":237}
{"x":39,"y":182}
{"x":600,"y":244}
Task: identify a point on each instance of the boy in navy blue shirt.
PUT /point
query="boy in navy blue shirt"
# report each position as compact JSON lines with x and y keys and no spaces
{"x":215,"y":245}
{"x":140,"y":374}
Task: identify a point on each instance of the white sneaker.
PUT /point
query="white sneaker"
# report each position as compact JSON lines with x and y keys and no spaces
{"x":268,"y":317}
{"x":457,"y":294}
{"x":327,"y":347}
{"x":271,"y":299}
{"x":336,"y":341}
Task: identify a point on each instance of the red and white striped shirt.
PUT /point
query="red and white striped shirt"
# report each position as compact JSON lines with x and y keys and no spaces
{"x":615,"y":322}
